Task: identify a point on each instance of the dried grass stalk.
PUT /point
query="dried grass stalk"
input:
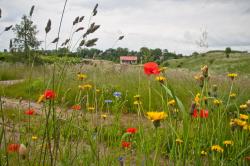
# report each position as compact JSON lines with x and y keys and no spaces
{"x":55,"y":40}
{"x":48,"y":26}
{"x":32,"y":10}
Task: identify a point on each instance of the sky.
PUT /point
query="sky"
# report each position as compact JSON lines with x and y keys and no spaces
{"x":175,"y":25}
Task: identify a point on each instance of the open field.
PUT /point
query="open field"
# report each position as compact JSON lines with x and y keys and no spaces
{"x":90,"y":124}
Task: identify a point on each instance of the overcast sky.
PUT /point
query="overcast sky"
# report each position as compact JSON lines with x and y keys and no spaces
{"x":175,"y":25}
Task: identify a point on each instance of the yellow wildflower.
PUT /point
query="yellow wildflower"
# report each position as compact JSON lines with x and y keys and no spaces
{"x":161,"y":79}
{"x":217,"y":148}
{"x":137,"y":102}
{"x":40,"y":99}
{"x":162,"y":69}
{"x":243,"y":106}
{"x":232,"y":75}
{"x":232,"y":95}
{"x":238,"y":122}
{"x":137,"y":97}
{"x":197,"y":98}
{"x":203,"y":153}
{"x":244,"y":117}
{"x":81,"y":76}
{"x":172,"y":102}
{"x":91,"y":109}
{"x":104,"y":116}
{"x":228,"y":142}
{"x":85,"y":86}
{"x":217,"y":102}
{"x":34,"y":138}
{"x":156,"y":116}
{"x":98,"y":90}
{"x":178,"y":141}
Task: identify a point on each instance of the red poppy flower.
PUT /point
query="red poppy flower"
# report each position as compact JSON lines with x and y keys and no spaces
{"x":49,"y":94}
{"x":195,"y":113}
{"x":13,"y":148}
{"x":76,"y":107}
{"x":204,"y":113}
{"x":131,"y":130}
{"x":126,"y":144}
{"x":151,"y":68}
{"x":30,"y":111}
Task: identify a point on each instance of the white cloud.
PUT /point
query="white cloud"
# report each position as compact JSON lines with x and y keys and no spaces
{"x":171,"y":24}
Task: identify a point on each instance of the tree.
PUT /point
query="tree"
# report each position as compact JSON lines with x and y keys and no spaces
{"x":228,"y":51}
{"x":26,"y":33}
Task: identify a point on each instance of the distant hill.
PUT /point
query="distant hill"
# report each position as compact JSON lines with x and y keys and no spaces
{"x":238,"y":62}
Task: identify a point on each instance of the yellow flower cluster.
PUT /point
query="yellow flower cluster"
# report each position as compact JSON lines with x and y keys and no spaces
{"x":232,"y":95}
{"x":156,"y":116}
{"x":179,"y":141}
{"x":243,"y":106}
{"x":161,"y":79}
{"x":203,"y":153}
{"x":217,"y":148}
{"x":228,"y":142}
{"x":91,"y":109}
{"x":241,"y":122}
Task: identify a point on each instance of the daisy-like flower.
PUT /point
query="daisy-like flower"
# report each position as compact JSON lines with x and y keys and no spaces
{"x":137,"y":97}
{"x":244,"y":117}
{"x":156,"y":116}
{"x":81,"y":76}
{"x":217,"y":148}
{"x":161,"y":79}
{"x":232,"y":95}
{"x":243,"y":106}
{"x":203,"y":153}
{"x":34,"y":138}
{"x":90,"y":109}
{"x":217,"y":102}
{"x":85,"y":86}
{"x":172,"y":102}
{"x":232,"y":76}
{"x":228,"y":143}
{"x":104,"y":116}
{"x":179,"y":141}
{"x":137,"y":103}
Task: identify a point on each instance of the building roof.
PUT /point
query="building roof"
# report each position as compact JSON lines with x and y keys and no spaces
{"x":128,"y":58}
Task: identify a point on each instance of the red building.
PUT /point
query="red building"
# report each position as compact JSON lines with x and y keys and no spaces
{"x":128,"y":59}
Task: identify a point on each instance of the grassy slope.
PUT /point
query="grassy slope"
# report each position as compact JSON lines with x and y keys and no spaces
{"x":217,"y":61}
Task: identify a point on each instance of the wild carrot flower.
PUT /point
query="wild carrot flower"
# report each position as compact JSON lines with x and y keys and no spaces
{"x":49,"y":94}
{"x":228,"y":142}
{"x":203,"y":153}
{"x":41,"y":98}
{"x":217,"y":148}
{"x":126,"y":144}
{"x":179,"y":141}
{"x":131,"y":130}
{"x":161,"y":79}
{"x":244,"y":117}
{"x":151,"y":68}
{"x":76,"y":107}
{"x":243,"y":106}
{"x":13,"y":148}
{"x":30,"y":112}
{"x":232,"y":76}
{"x":81,"y":76}
{"x":172,"y":102}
